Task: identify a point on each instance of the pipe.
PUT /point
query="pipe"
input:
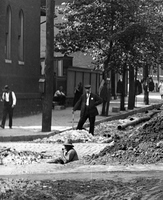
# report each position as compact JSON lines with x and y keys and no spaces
{"x":137,"y":121}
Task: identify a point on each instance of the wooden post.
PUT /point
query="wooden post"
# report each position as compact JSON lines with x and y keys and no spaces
{"x":49,"y":68}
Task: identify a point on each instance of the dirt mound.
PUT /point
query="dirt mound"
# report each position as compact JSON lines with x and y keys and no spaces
{"x":77,"y":136}
{"x":140,"y":144}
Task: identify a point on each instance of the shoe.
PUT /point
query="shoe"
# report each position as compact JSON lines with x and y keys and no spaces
{"x":2,"y":126}
{"x":10,"y":127}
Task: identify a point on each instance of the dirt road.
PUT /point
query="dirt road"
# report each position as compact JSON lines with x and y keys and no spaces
{"x":82,"y":186}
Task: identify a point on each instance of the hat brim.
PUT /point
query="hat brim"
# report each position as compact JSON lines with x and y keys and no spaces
{"x":87,"y":86}
{"x":6,"y":88}
{"x":66,"y":144}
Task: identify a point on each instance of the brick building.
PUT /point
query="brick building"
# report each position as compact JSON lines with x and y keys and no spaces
{"x":20,"y":51}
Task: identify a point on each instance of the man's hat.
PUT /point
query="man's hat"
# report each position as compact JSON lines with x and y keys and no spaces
{"x":87,"y":86}
{"x":6,"y":87}
{"x":68,"y":143}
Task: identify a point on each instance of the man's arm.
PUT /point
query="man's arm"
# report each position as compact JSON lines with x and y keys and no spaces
{"x":3,"y":97}
{"x":98,"y":100}
{"x":14,"y":99}
{"x":57,"y":93}
{"x":63,"y":94}
{"x":68,"y":156}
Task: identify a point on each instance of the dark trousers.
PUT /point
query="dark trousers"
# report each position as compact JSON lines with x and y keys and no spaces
{"x":7,"y":109}
{"x":91,"y":121}
{"x":105,"y":108}
{"x":60,"y":99}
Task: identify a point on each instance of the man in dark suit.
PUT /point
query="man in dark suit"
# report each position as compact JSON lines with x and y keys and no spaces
{"x":88,"y":102}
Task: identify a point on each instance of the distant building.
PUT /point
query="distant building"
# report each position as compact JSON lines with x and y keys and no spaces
{"x":20,"y":51}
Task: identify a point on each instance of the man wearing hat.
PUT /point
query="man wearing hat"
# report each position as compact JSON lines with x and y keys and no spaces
{"x":88,"y":102}
{"x":68,"y":154}
{"x":9,"y":100}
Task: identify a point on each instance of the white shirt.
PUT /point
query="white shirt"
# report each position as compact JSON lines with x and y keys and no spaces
{"x":59,"y":93}
{"x":5,"y":97}
{"x":87,"y":102}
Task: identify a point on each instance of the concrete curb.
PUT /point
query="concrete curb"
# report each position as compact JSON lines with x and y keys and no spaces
{"x":41,"y":135}
{"x":21,"y":138}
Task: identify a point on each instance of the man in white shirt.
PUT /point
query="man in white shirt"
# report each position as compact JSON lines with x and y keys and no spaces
{"x":9,"y":100}
{"x":60,"y":96}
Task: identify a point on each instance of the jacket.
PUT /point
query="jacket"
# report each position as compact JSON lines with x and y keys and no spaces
{"x":94,"y":100}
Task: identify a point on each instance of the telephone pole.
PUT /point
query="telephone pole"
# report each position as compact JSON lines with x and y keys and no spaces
{"x":49,"y":67}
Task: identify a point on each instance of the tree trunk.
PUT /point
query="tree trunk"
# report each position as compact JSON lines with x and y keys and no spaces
{"x":131,"y":99}
{"x":113,"y":88}
{"x":108,"y":102}
{"x":122,"y":103}
{"x":106,"y":78}
{"x":146,"y":90}
{"x":48,"y":95}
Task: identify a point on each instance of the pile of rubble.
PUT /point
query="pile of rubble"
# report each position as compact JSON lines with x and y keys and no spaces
{"x":11,"y":156}
{"x":77,"y":136}
{"x":140,"y":144}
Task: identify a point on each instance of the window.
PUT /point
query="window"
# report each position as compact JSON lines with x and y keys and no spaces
{"x":21,"y":37}
{"x":60,"y":68}
{"x":8,"y":34}
{"x":42,"y":65}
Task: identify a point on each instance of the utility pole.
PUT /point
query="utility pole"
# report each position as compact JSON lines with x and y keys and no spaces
{"x":49,"y":67}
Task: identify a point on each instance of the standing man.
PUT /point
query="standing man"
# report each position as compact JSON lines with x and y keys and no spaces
{"x":9,"y":100}
{"x":105,"y":95}
{"x":88,"y":102}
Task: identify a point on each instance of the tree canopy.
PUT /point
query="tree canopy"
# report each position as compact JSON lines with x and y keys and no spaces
{"x":109,"y":29}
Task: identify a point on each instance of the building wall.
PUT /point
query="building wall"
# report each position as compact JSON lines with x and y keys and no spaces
{"x":21,"y":77}
{"x":85,"y":76}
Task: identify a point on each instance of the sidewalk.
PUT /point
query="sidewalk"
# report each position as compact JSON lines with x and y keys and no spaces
{"x":29,"y":128}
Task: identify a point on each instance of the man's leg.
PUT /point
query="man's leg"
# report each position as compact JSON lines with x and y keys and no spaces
{"x":103,"y":107}
{"x":92,"y":124}
{"x":5,"y":111}
{"x":62,"y":100}
{"x":10,"y":116}
{"x":81,"y":122}
{"x":107,"y":107}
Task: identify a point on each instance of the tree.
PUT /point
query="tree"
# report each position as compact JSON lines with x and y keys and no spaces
{"x":120,"y":35}
{"x":92,"y":27}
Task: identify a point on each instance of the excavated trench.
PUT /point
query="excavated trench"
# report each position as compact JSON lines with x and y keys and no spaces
{"x":140,"y":143}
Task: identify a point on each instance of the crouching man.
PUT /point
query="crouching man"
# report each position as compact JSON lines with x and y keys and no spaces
{"x":68,"y":154}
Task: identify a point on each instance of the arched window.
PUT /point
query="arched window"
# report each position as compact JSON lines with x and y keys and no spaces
{"x":8,"y":34}
{"x":21,"y":36}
